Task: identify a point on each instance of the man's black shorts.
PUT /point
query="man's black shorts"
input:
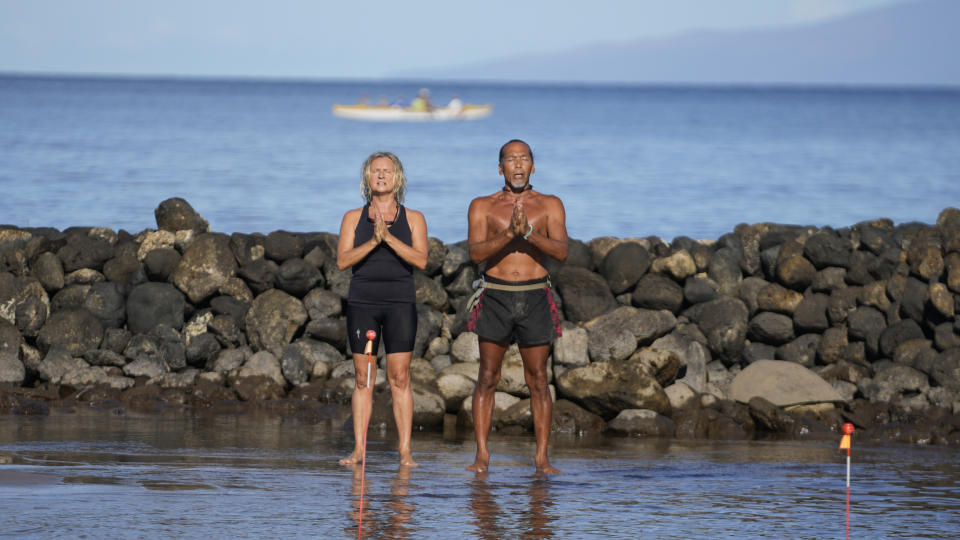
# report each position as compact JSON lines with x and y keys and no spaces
{"x":524,"y":317}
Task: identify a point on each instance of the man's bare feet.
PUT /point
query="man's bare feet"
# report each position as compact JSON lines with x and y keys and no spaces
{"x":481,"y":464}
{"x":352,"y":459}
{"x":407,"y":461}
{"x":544,"y":467}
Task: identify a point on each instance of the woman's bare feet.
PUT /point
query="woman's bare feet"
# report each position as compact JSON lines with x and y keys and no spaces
{"x":407,"y":461}
{"x":352,"y":459}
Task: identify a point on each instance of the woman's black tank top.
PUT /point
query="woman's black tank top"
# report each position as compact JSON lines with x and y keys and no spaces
{"x":382,"y":277}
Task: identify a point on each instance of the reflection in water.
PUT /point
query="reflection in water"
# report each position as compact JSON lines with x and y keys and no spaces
{"x":401,"y":509}
{"x":485,"y":509}
{"x":540,"y":517}
{"x":363,"y":520}
{"x":393,"y":521}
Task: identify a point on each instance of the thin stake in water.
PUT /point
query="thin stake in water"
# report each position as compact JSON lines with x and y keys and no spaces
{"x":845,"y":444}
{"x":368,"y":350}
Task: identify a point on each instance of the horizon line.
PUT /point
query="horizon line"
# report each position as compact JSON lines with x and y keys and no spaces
{"x":297,"y":79}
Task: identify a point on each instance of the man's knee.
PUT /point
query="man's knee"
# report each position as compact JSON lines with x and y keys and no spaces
{"x":487,"y":380}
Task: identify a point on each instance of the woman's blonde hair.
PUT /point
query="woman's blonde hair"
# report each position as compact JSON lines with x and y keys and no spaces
{"x":399,"y":180}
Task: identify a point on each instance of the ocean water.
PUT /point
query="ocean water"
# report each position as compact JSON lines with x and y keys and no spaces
{"x":258,"y":156}
{"x":93,"y":474}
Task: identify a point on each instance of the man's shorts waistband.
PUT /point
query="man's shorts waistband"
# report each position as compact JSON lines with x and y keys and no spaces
{"x":545,"y":281}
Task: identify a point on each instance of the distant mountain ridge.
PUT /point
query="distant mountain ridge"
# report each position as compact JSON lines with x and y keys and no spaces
{"x":915,"y":43}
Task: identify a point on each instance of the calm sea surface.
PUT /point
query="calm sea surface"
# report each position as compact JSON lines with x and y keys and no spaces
{"x":257,"y":156}
{"x":97,"y":475}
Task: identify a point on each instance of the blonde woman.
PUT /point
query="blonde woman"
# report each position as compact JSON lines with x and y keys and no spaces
{"x":382,"y":242}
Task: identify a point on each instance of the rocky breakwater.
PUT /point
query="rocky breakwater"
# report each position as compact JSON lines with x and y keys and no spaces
{"x":771,"y":330}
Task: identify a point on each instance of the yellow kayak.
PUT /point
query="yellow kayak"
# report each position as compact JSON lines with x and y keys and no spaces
{"x":373,"y":113}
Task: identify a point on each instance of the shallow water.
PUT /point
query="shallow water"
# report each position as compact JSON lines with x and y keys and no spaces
{"x":98,"y":475}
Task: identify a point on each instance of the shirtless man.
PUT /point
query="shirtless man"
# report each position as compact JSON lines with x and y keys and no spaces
{"x":512,"y":231}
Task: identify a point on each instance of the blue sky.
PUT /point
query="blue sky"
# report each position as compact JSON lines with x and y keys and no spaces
{"x":346,"y":40}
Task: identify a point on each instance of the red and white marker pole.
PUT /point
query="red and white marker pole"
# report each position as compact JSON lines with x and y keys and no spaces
{"x":368,"y":350}
{"x":845,"y":444}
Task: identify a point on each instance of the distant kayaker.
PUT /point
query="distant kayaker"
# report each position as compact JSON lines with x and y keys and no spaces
{"x":422,"y":102}
{"x":455,"y":104}
{"x":383,"y":242}
{"x":513,"y":231}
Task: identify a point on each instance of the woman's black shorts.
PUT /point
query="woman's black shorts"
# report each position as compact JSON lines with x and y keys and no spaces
{"x":395,"y":323}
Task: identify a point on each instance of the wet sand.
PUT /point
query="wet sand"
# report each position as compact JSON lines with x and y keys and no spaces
{"x":93,"y":473}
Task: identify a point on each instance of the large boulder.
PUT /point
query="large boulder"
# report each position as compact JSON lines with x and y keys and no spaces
{"x":429,"y":325}
{"x":606,"y":388}
{"x":643,"y":423}
{"x":430,"y":291}
{"x":299,"y":360}
{"x":57,"y":363}
{"x":679,"y":265}
{"x":75,"y":330}
{"x":321,"y":303}
{"x":151,"y":304}
{"x":724,"y":269}
{"x":106,"y":301}
{"x":654,"y":291}
{"x":585,"y":295}
{"x":12,"y":370}
{"x":811,"y":313}
{"x":454,"y":388}
{"x":571,"y":349}
{"x":176,"y":214}
{"x":693,"y":356}
{"x":802,"y":350}
{"x":892,"y":381}
{"x":898,"y":333}
{"x":615,"y":335}
{"x":95,"y":376}
{"x":568,"y":417}
{"x":866,"y":324}
{"x":329,"y":330}
{"x":206,"y":265}
{"x":776,"y":297}
{"x":272,"y":321}
{"x":160,"y":263}
{"x":49,"y":270}
{"x":825,"y":248}
{"x":466,"y":348}
{"x":781,"y":383}
{"x":772,"y":328}
{"x":262,"y":364}
{"x":24,"y":303}
{"x":297,"y":277}
{"x":724,"y":323}
{"x":85,"y":250}
{"x":698,"y":289}
{"x":946,"y":369}
{"x":624,"y":265}
{"x":282,"y":246}
{"x":795,"y":272}
{"x":260,"y":274}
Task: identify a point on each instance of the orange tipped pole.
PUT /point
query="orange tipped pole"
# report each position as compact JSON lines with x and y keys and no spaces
{"x":368,"y":350}
{"x":845,"y":443}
